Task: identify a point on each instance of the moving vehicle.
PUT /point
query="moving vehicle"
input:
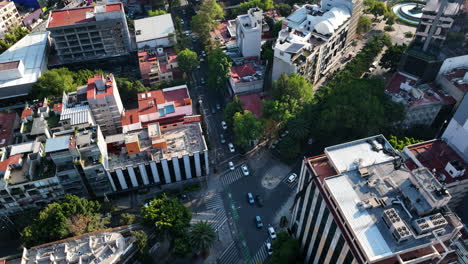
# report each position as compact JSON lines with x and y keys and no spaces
{"x":231,"y":165}
{"x":221,"y":136}
{"x":231,"y":147}
{"x":269,"y":248}
{"x":224,"y":125}
{"x":245,"y":170}
{"x":271,"y":232}
{"x":292,"y":177}
{"x":258,"y":222}
{"x":250,"y":198}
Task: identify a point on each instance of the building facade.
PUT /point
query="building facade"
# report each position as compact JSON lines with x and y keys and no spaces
{"x":158,"y":66}
{"x":249,"y":32}
{"x":453,"y":77}
{"x":106,"y":105}
{"x":312,"y":40}
{"x":89,"y":33}
{"x":358,"y":203}
{"x":9,"y":17}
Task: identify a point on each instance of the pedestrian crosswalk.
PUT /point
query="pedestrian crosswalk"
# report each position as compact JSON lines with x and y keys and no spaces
{"x":215,"y":214}
{"x":232,"y":176}
{"x":230,"y":255}
{"x":214,"y":201}
{"x":262,"y":254}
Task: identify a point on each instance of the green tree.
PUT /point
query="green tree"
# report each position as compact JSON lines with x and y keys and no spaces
{"x":399,"y":144}
{"x":284,"y":9}
{"x":181,"y":245}
{"x":246,"y":128}
{"x":392,"y":56}
{"x":378,"y":8}
{"x":141,"y":245}
{"x":231,"y":109}
{"x":294,"y":86}
{"x":364,"y":24}
{"x":289,"y":148}
{"x":285,"y":249}
{"x":71,"y":216}
{"x":188,"y":60}
{"x":277,"y":28}
{"x":129,"y":89}
{"x":390,"y":17}
{"x":202,"y":236}
{"x":167,"y":215}
{"x":202,"y":23}
{"x":81,"y":77}
{"x":127,"y":219}
{"x":219,"y":66}
{"x":156,"y":12}
{"x":53,"y":83}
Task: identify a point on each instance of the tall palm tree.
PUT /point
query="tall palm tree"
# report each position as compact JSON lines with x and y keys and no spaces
{"x":202,"y":236}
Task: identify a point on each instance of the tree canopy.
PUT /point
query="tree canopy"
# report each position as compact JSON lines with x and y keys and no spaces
{"x":392,"y":56}
{"x":376,"y":8}
{"x":54,"y":83}
{"x":202,"y":236}
{"x":202,"y":23}
{"x":284,"y":9}
{"x":262,"y":4}
{"x":156,"y":12}
{"x":285,"y":249}
{"x":72,"y":216}
{"x":188,"y":60}
{"x":219,"y":66}
{"x":11,"y":37}
{"x":246,"y":128}
{"x":129,"y":89}
{"x":167,"y":215}
{"x":399,"y":144}
{"x":231,"y":109}
{"x":364,"y":24}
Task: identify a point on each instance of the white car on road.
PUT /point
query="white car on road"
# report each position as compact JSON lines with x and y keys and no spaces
{"x":231,"y":165}
{"x":224,"y":125}
{"x":272,"y":232}
{"x":292,"y":177}
{"x":231,"y":147}
{"x":245,"y":170}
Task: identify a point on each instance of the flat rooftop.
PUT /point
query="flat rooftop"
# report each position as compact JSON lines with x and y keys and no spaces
{"x":31,"y":51}
{"x":67,"y":17}
{"x":153,"y":27}
{"x":366,"y":181}
{"x":103,"y":248}
{"x":184,"y":139}
{"x":435,"y":155}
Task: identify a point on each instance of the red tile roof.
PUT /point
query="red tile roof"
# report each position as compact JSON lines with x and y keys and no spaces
{"x":130,"y":117}
{"x":57,"y":108}
{"x":26,"y":112}
{"x":237,"y":72}
{"x":253,"y":103}
{"x":7,"y":124}
{"x":66,"y":17}
{"x":11,"y":160}
{"x":435,"y":155}
{"x":92,"y":92}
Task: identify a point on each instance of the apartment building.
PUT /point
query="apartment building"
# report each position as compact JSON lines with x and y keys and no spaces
{"x":165,"y":106}
{"x":249,"y":32}
{"x":312,"y":40}
{"x":9,"y":17}
{"x":89,"y":33}
{"x":158,"y":66}
{"x":422,"y":102}
{"x":359,"y":203}
{"x":158,"y":154}
{"x":106,"y":105}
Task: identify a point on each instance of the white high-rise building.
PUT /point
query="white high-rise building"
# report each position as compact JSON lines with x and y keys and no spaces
{"x":313,"y":38}
{"x":249,"y":32}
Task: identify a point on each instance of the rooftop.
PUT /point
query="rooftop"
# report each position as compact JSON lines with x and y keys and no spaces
{"x":99,"y":87}
{"x":451,"y":9}
{"x":184,"y":139}
{"x":459,"y":78}
{"x":252,"y":103}
{"x":98,"y":247}
{"x":155,"y":27}
{"x":405,"y":89}
{"x":164,"y":106}
{"x":67,"y":17}
{"x":435,"y":155}
{"x":31,"y":51}
{"x":247,"y":73}
{"x":7,"y":125}
{"x":385,"y":205}
{"x":58,"y":143}
{"x":79,"y":114}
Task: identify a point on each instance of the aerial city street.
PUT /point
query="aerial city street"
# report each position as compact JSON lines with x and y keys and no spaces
{"x":234,"y":131}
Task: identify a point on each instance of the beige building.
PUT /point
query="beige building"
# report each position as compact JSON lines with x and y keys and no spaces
{"x":9,"y":17}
